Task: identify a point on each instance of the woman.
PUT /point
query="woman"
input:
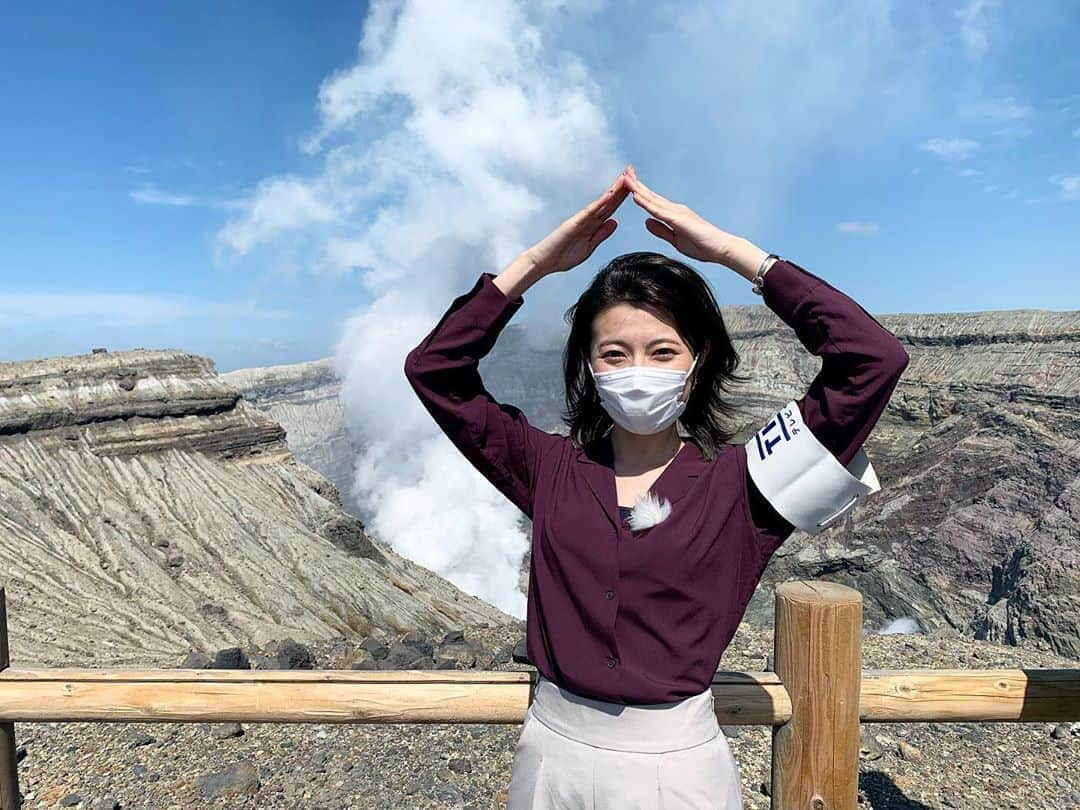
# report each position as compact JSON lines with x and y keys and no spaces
{"x":647,"y":546}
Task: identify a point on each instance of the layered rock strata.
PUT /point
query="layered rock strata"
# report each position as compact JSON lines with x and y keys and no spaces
{"x":147,"y":508}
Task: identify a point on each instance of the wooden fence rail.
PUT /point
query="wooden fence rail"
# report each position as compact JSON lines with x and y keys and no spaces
{"x":814,"y":701}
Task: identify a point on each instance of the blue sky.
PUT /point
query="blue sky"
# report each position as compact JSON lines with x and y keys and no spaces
{"x":172,"y":178}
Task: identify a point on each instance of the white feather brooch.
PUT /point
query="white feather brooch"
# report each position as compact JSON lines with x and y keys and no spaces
{"x":648,"y":511}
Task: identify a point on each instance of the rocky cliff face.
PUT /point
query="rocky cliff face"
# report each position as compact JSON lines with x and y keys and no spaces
{"x":976,"y":531}
{"x":146,"y":509}
{"x":304,"y":398}
{"x":977,"y":526}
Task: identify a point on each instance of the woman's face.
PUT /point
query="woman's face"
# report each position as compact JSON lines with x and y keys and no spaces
{"x":625,"y":335}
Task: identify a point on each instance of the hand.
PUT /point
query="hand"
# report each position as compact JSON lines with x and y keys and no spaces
{"x":676,"y":224}
{"x":575,"y":240}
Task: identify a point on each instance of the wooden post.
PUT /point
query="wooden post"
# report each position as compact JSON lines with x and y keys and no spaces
{"x":817,"y":650}
{"x":9,"y":773}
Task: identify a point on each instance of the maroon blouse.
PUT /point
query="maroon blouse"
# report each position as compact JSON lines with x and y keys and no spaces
{"x":644,"y":616}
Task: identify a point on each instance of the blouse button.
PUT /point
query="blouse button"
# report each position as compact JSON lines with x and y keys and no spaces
{"x":609,"y":594}
{"x":611,"y":662}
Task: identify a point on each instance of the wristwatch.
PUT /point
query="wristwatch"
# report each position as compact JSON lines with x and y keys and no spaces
{"x":765,"y":267}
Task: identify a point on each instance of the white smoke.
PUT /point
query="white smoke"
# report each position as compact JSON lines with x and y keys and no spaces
{"x":465,"y":131}
{"x":495,"y":133}
{"x":903,"y":625}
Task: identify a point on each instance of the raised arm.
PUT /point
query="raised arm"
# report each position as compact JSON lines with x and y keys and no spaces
{"x":805,"y":466}
{"x":443,"y":370}
{"x":861,"y":365}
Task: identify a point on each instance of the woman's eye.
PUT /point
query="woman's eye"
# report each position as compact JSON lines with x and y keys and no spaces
{"x":667,"y":353}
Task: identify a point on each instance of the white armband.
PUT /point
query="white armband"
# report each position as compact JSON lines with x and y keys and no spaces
{"x":798,"y":475}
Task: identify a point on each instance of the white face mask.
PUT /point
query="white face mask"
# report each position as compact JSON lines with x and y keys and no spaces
{"x":642,"y":399}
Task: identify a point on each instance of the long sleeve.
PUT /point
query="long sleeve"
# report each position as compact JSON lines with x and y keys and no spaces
{"x":443,"y":370}
{"x":861,"y":365}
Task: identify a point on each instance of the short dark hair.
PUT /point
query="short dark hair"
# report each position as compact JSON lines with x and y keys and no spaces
{"x":653,"y":280}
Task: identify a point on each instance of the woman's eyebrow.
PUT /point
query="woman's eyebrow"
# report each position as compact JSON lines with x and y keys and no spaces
{"x":649,"y":345}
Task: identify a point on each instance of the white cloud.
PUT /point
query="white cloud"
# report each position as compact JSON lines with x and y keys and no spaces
{"x":969,"y":173}
{"x":147,"y":165}
{"x":437,"y":147}
{"x":1013,"y":131}
{"x":1076,"y":132}
{"x":1014,"y":115}
{"x":124,"y":309}
{"x":865,"y":228}
{"x":275,"y":344}
{"x":581,"y":6}
{"x":152,"y":196}
{"x":1004,"y":109}
{"x":991,"y":187}
{"x":1065,"y":103}
{"x":1069,"y":185}
{"x":279,"y":204}
{"x":975,"y":26}
{"x":950,"y":148}
{"x":719,"y":102}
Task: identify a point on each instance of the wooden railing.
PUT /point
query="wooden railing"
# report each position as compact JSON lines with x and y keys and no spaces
{"x":814,"y":701}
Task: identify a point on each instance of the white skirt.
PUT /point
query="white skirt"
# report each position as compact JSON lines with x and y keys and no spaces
{"x":579,"y":753}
